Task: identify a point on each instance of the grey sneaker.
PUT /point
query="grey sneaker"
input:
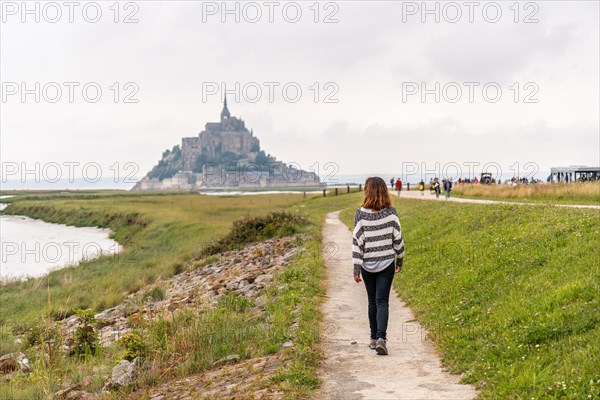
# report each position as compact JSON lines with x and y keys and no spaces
{"x":381,"y":347}
{"x":373,"y":344}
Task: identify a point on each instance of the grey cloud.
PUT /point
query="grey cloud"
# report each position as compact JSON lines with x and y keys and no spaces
{"x":494,"y":53}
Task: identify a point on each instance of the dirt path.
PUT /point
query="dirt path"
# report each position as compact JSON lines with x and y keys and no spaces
{"x":416,"y":194}
{"x":412,"y":369}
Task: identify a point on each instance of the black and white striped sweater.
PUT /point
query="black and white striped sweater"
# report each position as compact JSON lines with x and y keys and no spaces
{"x":377,"y":236}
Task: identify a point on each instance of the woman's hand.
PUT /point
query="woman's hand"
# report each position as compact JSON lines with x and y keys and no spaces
{"x":357,"y":278}
{"x":398,"y":268}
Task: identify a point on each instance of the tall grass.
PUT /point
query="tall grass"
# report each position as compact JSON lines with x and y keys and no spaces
{"x":572,"y":193}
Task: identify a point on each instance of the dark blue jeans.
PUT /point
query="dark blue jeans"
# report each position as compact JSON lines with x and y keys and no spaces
{"x":378,"y":286}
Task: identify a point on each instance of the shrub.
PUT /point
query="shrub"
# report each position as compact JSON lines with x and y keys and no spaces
{"x":45,"y":336}
{"x":134,"y":346}
{"x":255,"y":229}
{"x":40,"y":331}
{"x":85,"y":341}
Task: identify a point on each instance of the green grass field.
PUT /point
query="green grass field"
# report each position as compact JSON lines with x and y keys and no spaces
{"x":554,"y":193}
{"x":509,"y":293}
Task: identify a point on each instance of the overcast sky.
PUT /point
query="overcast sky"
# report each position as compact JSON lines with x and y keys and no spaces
{"x":372,"y":61}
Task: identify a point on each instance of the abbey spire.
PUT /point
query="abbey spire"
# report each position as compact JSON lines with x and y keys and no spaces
{"x":225,"y":113}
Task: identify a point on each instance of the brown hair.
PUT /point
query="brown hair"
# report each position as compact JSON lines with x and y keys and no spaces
{"x":377,"y":196}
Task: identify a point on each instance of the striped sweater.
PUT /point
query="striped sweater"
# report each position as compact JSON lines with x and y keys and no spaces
{"x":377,"y":236}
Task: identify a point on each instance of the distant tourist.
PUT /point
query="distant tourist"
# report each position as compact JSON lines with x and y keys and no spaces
{"x":447,"y":187}
{"x":436,"y":188}
{"x":407,"y":186}
{"x":422,"y":187}
{"x":398,"y":186}
{"x":392,"y":183}
{"x":377,"y":264}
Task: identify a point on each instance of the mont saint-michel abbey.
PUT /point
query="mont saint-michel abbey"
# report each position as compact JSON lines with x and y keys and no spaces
{"x":224,"y":155}
{"x":229,"y":135}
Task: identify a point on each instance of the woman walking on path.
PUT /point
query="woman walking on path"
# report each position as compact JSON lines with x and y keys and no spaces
{"x":377,"y":254}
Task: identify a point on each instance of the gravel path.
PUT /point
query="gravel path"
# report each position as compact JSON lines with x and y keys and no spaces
{"x":412,"y":370}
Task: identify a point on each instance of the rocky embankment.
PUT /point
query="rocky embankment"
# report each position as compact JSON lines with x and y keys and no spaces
{"x":248,"y":379}
{"x":247,"y":272}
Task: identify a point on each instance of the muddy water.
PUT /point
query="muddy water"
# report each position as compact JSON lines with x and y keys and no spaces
{"x":31,"y":247}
